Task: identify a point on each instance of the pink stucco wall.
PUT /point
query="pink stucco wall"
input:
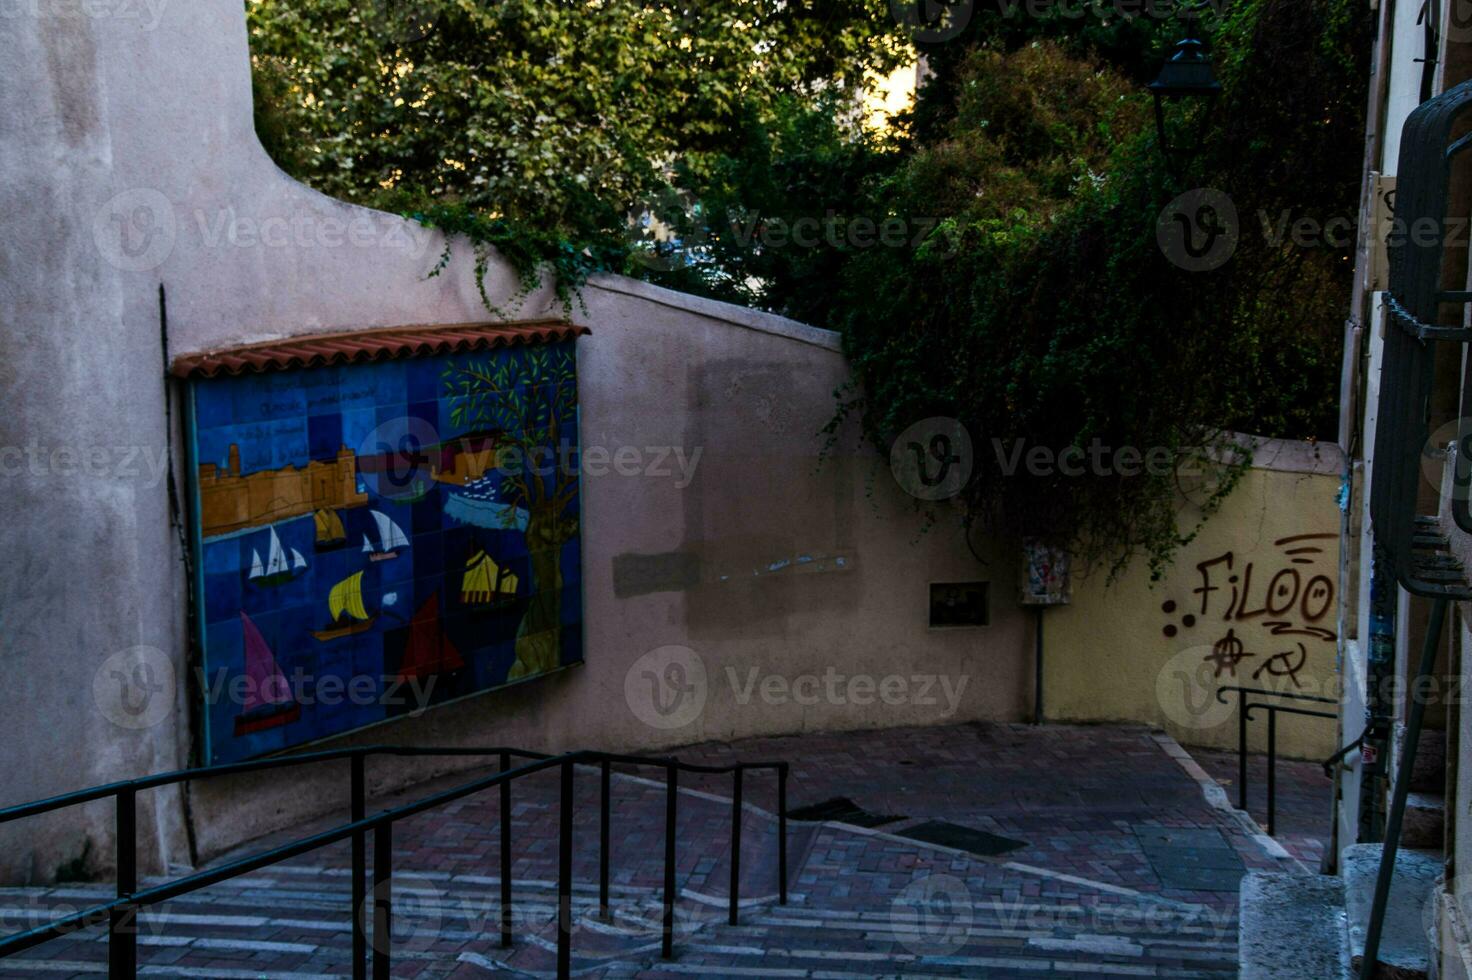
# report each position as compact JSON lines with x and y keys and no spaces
{"x":129,"y":161}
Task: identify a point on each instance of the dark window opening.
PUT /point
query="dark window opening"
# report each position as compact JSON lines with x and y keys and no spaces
{"x":959,"y":604}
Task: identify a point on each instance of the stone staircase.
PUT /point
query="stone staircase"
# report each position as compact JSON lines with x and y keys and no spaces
{"x":1313,"y":926}
{"x":294,"y":923}
{"x":863,"y":903}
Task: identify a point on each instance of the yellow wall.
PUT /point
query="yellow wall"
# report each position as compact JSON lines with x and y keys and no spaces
{"x":1261,"y":580}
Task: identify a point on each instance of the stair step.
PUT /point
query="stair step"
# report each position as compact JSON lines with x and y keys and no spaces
{"x":1405,"y":949}
{"x":1292,"y":927}
{"x":1428,"y":775}
{"x":1425,"y":821}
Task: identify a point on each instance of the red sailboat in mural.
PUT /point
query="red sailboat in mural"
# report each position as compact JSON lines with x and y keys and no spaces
{"x":429,"y":650}
{"x":268,"y":700}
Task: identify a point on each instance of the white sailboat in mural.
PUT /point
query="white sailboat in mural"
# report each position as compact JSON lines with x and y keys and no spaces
{"x":391,"y":538}
{"x":277,"y":569}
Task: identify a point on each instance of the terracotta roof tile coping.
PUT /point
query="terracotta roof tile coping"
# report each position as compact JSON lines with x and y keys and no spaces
{"x":317,"y":350}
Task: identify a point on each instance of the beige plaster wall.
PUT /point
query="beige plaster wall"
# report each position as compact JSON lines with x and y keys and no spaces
{"x":128,"y":161}
{"x":1251,"y":602}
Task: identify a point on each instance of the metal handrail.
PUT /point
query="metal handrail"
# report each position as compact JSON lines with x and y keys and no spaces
{"x":1339,"y":756}
{"x":121,"y":913}
{"x":1244,"y":715}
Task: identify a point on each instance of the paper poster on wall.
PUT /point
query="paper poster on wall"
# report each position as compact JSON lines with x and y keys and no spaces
{"x":374,"y":539}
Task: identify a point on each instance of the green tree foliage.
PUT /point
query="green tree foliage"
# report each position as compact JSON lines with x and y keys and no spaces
{"x":993,"y":257}
{"x":537,"y":126}
{"x":1039,"y":308}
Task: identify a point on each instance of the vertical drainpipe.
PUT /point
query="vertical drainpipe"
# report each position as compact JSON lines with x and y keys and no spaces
{"x":1379,"y":710}
{"x":1378,"y":633}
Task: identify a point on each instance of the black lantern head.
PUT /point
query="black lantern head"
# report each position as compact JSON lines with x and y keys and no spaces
{"x":1187,"y":75}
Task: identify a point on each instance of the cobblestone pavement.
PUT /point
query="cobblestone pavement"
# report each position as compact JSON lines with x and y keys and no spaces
{"x":1304,"y":794}
{"x":1124,"y":869}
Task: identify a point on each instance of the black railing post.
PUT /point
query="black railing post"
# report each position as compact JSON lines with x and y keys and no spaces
{"x":1415,"y":716}
{"x":672,"y":791}
{"x":383,"y":897}
{"x":1242,"y":750}
{"x":735,"y":896}
{"x":358,"y":806}
{"x":122,"y":930}
{"x":603,"y":835}
{"x":123,"y":911}
{"x":782,"y":834}
{"x":1272,"y":769}
{"x":564,"y":876}
{"x":506,"y":854}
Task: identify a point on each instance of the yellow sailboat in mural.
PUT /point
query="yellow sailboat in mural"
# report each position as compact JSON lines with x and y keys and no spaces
{"x":486,"y":583}
{"x":345,"y":603}
{"x":330,"y":532}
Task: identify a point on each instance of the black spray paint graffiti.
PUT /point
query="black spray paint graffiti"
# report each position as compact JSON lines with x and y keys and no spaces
{"x":1293,"y":603}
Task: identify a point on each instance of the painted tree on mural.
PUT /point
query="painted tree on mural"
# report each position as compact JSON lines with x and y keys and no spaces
{"x":526,"y":400}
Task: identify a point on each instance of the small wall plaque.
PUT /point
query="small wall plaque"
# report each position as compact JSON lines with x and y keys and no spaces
{"x":954,"y":604}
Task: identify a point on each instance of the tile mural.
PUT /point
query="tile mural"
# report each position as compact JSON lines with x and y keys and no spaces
{"x":372,"y":539}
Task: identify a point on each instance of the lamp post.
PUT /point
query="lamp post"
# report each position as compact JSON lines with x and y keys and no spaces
{"x":1187,"y":74}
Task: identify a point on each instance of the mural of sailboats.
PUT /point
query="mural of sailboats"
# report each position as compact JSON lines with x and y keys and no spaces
{"x":268,"y":700}
{"x":486,"y":584}
{"x":429,"y":650}
{"x":277,"y":570}
{"x":345,"y":604}
{"x":391,"y":538}
{"x":330,"y":532}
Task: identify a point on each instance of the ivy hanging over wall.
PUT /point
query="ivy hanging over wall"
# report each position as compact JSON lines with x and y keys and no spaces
{"x":1025,"y":292}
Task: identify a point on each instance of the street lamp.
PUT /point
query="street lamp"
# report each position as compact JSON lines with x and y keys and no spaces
{"x":1186,"y":75}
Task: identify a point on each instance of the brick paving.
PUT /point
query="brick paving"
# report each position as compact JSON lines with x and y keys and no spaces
{"x":1304,"y":794}
{"x":1126,"y":870}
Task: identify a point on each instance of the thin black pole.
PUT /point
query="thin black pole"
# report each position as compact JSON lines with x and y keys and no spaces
{"x":383,"y":899}
{"x":564,"y":876}
{"x":1037,"y":687}
{"x":672,"y":790}
{"x":603,"y":835}
{"x":1241,"y":750}
{"x":360,"y":871}
{"x":735,"y":891}
{"x":506,"y":854}
{"x":1272,"y":770}
{"x":1414,"y":718}
{"x":782,"y":834}
{"x":122,"y":938}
